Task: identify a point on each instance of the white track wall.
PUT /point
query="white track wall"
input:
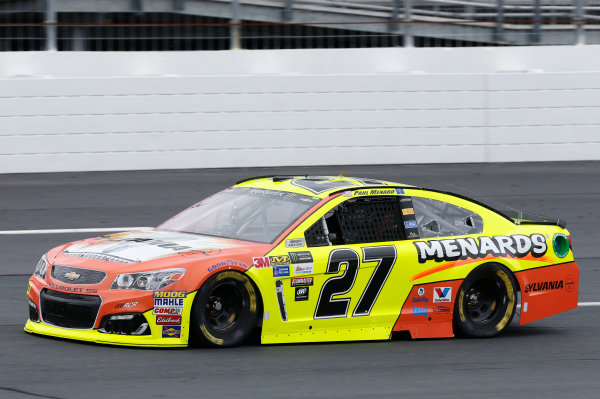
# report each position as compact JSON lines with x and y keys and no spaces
{"x":117,"y":111}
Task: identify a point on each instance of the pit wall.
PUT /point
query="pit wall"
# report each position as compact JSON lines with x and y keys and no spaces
{"x":86,"y":111}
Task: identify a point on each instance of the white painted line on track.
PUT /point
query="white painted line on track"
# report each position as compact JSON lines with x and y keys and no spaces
{"x":59,"y":231}
{"x":588,"y":304}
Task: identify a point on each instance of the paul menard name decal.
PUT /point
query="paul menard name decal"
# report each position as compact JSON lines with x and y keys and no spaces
{"x":517,"y":245}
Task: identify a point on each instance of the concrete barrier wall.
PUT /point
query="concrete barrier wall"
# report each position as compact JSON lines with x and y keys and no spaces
{"x":117,"y":111}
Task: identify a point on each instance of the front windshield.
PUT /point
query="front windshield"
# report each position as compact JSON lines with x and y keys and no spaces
{"x":249,"y":214}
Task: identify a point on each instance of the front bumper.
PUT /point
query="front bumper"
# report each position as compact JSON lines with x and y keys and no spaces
{"x":160,"y":335}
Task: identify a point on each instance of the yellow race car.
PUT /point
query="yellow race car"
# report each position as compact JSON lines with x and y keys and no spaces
{"x":308,"y":259}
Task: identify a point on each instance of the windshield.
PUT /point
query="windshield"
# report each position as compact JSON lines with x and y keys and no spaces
{"x":249,"y":214}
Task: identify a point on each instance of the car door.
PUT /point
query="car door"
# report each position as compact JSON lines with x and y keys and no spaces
{"x":350,"y":247}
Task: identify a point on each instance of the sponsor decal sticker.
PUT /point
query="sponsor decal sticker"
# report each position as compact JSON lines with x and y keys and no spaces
{"x":295,"y":243}
{"x":421,"y":299}
{"x":442,"y":309}
{"x":410,"y":224}
{"x":408,"y":211}
{"x":167,"y":311}
{"x":421,"y":291}
{"x":226,"y":263}
{"x":303,"y":268}
{"x":279,"y":260}
{"x":302,"y":281}
{"x":281,"y":271}
{"x":442,"y":294}
{"x":28,"y":288}
{"x":544,"y":286}
{"x":301,"y":257}
{"x":301,"y":293}
{"x":420,"y":310}
{"x":412,"y":234}
{"x":126,"y":305}
{"x":517,"y":246}
{"x":399,"y":191}
{"x":261,"y":262}
{"x":569,"y":283}
{"x":171,"y":332}
{"x":168,"y":320}
{"x":169,"y":298}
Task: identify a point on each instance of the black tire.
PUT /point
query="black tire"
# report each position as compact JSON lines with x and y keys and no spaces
{"x":486,"y":302}
{"x":225,"y":310}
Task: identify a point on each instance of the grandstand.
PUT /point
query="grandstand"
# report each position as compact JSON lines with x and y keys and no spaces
{"x":163,"y":25}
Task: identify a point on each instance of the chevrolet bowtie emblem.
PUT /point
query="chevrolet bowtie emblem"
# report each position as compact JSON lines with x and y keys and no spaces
{"x":72,"y":276}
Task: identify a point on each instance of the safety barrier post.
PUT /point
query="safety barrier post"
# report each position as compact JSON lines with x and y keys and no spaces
{"x":235,"y":30}
{"x":580,"y":27}
{"x":50,"y":21}
{"x":408,"y":38}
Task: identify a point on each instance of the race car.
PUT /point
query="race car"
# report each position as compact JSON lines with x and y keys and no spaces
{"x":308,"y":259}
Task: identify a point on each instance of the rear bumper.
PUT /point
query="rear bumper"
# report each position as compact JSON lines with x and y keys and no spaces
{"x":548,"y":290}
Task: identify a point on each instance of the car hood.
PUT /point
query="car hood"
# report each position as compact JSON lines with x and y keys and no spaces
{"x":145,"y":245}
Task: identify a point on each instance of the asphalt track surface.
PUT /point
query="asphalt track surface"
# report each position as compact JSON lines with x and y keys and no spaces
{"x":558,"y":357}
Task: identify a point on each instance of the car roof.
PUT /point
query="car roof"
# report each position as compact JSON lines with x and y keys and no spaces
{"x":316,"y":186}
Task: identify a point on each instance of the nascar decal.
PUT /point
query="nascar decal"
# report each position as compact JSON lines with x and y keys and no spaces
{"x":447,"y":250}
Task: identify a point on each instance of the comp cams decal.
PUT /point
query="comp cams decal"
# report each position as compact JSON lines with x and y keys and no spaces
{"x":517,"y":245}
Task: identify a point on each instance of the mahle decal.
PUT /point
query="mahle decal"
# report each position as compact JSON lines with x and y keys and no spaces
{"x":517,"y":245}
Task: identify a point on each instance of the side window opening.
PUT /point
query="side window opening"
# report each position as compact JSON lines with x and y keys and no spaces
{"x":439,"y":219}
{"x":360,"y":220}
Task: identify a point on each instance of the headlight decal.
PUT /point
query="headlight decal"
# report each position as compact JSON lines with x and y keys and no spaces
{"x":147,"y":281}
{"x":41,"y":268}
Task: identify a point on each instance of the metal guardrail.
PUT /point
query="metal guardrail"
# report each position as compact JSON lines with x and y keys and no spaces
{"x":259,"y":24}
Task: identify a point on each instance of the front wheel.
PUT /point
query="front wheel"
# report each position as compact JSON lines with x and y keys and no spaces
{"x":225,"y":310}
{"x":486,"y":302}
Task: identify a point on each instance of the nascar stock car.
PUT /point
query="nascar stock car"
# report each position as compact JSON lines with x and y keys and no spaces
{"x":308,"y":259}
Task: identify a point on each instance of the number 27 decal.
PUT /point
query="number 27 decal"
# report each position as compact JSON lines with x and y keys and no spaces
{"x":327,"y":307}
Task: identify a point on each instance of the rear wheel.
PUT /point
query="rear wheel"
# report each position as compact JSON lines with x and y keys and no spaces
{"x":225,"y":310}
{"x":486,"y":302}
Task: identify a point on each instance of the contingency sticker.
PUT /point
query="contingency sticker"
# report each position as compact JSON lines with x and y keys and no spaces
{"x":171,"y":332}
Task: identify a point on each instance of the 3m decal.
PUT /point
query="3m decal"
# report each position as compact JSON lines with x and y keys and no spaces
{"x":281,"y":271}
{"x":171,"y":332}
{"x":327,"y":307}
{"x":544,"y":286}
{"x":295,"y":243}
{"x":302,"y":268}
{"x":281,"y":299}
{"x":168,"y":320}
{"x":303,"y":281}
{"x":447,"y":250}
{"x":442,"y":294}
{"x":279,"y":260}
{"x":301,"y":257}
{"x":261,"y":262}
{"x":301,"y":294}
